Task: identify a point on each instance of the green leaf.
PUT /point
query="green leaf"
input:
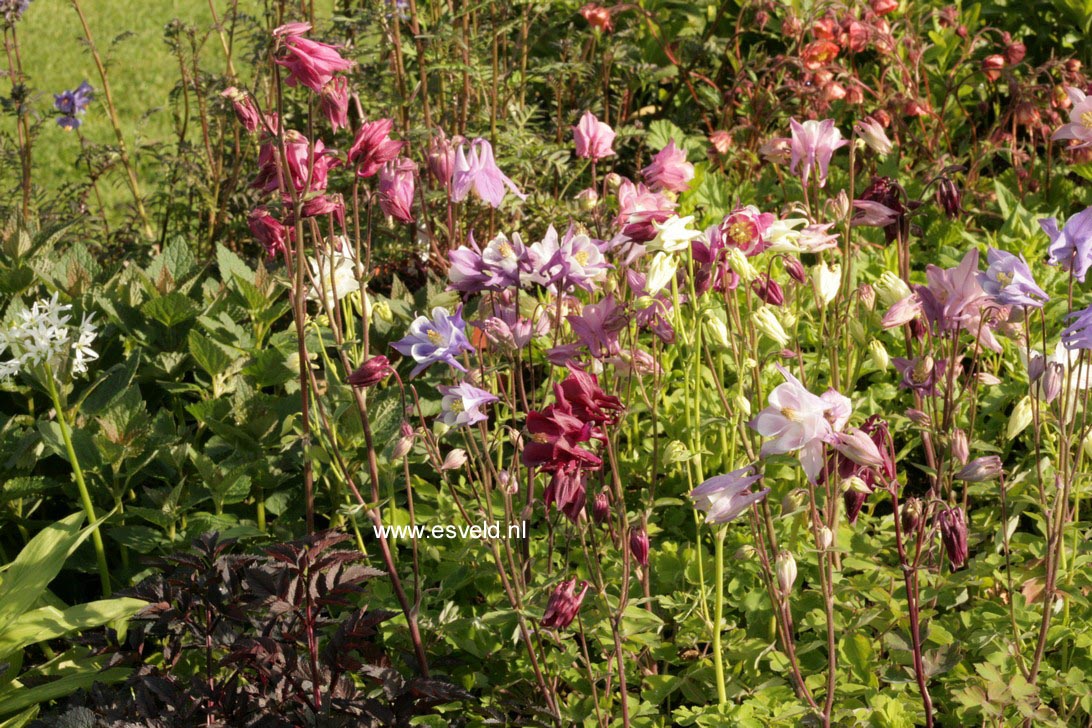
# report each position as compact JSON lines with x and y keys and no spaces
{"x":208,"y":354}
{"x":232,"y":265}
{"x":50,"y":623}
{"x":38,"y":564}
{"x":170,"y":310}
{"x":83,"y":674}
{"x":82,"y":444}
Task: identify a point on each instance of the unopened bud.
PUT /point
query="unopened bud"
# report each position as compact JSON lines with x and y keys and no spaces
{"x":794,"y":268}
{"x":953,"y":534}
{"x":382,"y":311}
{"x":639,"y":546}
{"x":737,"y":260}
{"x":676,"y":452}
{"x":716,"y":330}
{"x":766,"y":322}
{"x":793,"y":501}
{"x":826,"y":538}
{"x":981,"y":469}
{"x":742,"y":404}
{"x":891,"y":289}
{"x":454,"y":460}
{"x":1020,"y":418}
{"x":911,"y":515}
{"x":854,"y":484}
{"x":746,"y":552}
{"x":878,"y":354}
{"x":786,"y":571}
{"x":587,"y":199}
{"x":601,"y":507}
{"x":961,"y":450}
{"x":867,"y":296}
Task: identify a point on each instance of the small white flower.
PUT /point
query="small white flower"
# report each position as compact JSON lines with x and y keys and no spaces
{"x":675,"y":233}
{"x":660,"y":273}
{"x":335,"y":276}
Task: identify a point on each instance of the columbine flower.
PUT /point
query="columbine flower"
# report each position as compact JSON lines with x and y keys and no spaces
{"x":669,"y":170}
{"x":442,"y":338}
{"x":478,"y":171}
{"x":309,"y":62}
{"x":269,"y":231}
{"x":813,"y":144}
{"x":639,"y":209}
{"x":372,"y":147}
{"x":921,"y":374}
{"x":873,"y":135}
{"x":979,"y":470}
{"x":675,"y":233}
{"x":661,"y":271}
{"x":953,"y":533}
{"x":441,"y":157}
{"x":396,"y":189}
{"x":461,"y":404}
{"x":564,"y":604}
{"x":593,"y":138}
{"x":1078,"y":335}
{"x":334,"y":103}
{"x":42,"y":334}
{"x":766,"y":322}
{"x":1008,"y":280}
{"x":334,"y":274}
{"x":954,"y":300}
{"x":567,"y":490}
{"x":786,"y":571}
{"x":1071,"y":247}
{"x":639,"y":545}
{"x":72,"y":104}
{"x":797,"y":420}
{"x":371,"y":372}
{"x":1080,"y":119}
{"x":746,"y":228}
{"x":827,"y":281}
{"x":245,"y":110}
{"x":724,"y":497}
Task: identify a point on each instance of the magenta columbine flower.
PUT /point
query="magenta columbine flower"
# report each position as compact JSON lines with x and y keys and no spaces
{"x":396,"y":189}
{"x":373,"y":147}
{"x":479,"y":172}
{"x":309,"y":63}
{"x":954,"y":300}
{"x":639,"y":209}
{"x":953,"y":534}
{"x":797,"y":420}
{"x":593,"y":138}
{"x":1009,"y":282}
{"x":442,"y":338}
{"x":72,"y":105}
{"x":724,"y":497}
{"x":669,"y":170}
{"x":745,"y":228}
{"x":813,"y":144}
{"x":334,"y":103}
{"x":1080,"y":119}
{"x":461,"y":404}
{"x":1071,"y":247}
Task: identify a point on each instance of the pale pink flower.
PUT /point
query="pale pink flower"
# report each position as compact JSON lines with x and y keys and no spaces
{"x":396,"y":189}
{"x":593,"y":138}
{"x":813,"y":144}
{"x":669,"y":170}
{"x":334,"y":102}
{"x":1080,"y":119}
{"x":797,"y":421}
{"x":479,"y":171}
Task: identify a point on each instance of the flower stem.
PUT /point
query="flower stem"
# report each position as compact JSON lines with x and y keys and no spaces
{"x":718,"y":615}
{"x":85,"y":495}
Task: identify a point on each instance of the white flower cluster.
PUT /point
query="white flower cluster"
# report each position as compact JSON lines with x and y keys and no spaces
{"x":42,"y":334}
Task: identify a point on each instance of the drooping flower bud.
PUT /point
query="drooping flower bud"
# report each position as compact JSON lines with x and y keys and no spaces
{"x":792,"y":501}
{"x":858,"y":447}
{"x":911,"y":515}
{"x":245,"y":110}
{"x":878,"y":354}
{"x":961,"y":450}
{"x":953,"y":533}
{"x":404,"y":444}
{"x":766,"y":322}
{"x":891,"y":289}
{"x":786,"y":571}
{"x":794,"y":268}
{"x":716,"y":330}
{"x":639,"y":546}
{"x":746,"y":552}
{"x":454,"y":459}
{"x":949,"y":198}
{"x":371,"y":372}
{"x":601,"y":507}
{"x":827,"y":280}
{"x":587,"y":199}
{"x":979,"y":470}
{"x":867,"y":296}
{"x":1050,"y":382}
{"x":563,"y":605}
{"x":768,"y":290}
{"x":919,"y":418}
{"x":826,"y":538}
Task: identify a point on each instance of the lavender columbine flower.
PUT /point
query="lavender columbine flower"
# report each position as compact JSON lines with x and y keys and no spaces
{"x":461,"y":404}
{"x":1071,"y":247}
{"x":441,"y":339}
{"x":813,"y":144}
{"x":724,"y":497}
{"x":72,"y":104}
{"x":478,"y":171}
{"x":1009,"y":282}
{"x":797,"y":420}
{"x":1078,"y":335}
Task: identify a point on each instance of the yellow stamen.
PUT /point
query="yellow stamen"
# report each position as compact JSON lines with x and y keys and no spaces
{"x":434,"y":337}
{"x":581,"y":257}
{"x":504,"y":249}
{"x":1086,"y":119}
{"x":1005,"y":278}
{"x":790,"y":414}
{"x":740,"y":232}
{"x":457,"y":405}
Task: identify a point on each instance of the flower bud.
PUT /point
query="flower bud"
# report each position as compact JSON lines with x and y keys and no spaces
{"x":949,"y":198}
{"x":786,"y":571}
{"x":858,"y":447}
{"x":371,"y":372}
{"x":614,"y":180}
{"x":980,"y":470}
{"x":738,"y":262}
{"x":826,"y":538}
{"x":768,"y":290}
{"x":1020,"y":418}
{"x":403,"y":444}
{"x":563,"y":605}
{"x":987,"y":380}
{"x":794,"y":268}
{"x":454,"y":459}
{"x":793,"y":501}
{"x":746,"y":552}
{"x":675,"y":452}
{"x":866,"y":294}
{"x":855,"y":484}
{"x":601,"y":507}
{"x":644,"y":302}
{"x":961,"y":450}
{"x":878,"y":354}
{"x":587,"y":199}
{"x":716,"y":330}
{"x":1050,"y":383}
{"x":992,"y":65}
{"x":919,"y":418}
{"x":638,"y":545}
{"x":661,"y":271}
{"x":507,"y":483}
{"x":382,"y":311}
{"x":911,"y":515}
{"x":741,"y":404}
{"x":953,"y":534}
{"x":766,"y":322}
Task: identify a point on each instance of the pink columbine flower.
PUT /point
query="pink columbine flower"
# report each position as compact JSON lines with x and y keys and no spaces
{"x":1080,"y":119}
{"x":396,"y":189}
{"x":245,"y":110}
{"x":639,"y":209}
{"x":307,"y":166}
{"x":669,"y":170}
{"x":797,"y":420}
{"x":813,"y":144}
{"x":309,"y":62}
{"x":441,"y":157}
{"x":724,"y":498}
{"x":373,"y":147}
{"x":334,"y":103}
{"x":268,"y":230}
{"x":479,"y":171}
{"x":563,"y":605}
{"x":593,"y":138}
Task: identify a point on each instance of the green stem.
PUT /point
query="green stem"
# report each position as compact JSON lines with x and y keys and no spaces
{"x":718,"y":615}
{"x":85,"y":495}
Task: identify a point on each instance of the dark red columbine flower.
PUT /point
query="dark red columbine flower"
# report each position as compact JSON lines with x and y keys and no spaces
{"x":554,"y":437}
{"x":876,"y":429}
{"x":601,"y":507}
{"x":586,"y":400}
{"x":953,"y":533}
{"x":564,"y":604}
{"x":887,"y":192}
{"x":568,"y":488}
{"x":768,"y":290}
{"x":371,"y":372}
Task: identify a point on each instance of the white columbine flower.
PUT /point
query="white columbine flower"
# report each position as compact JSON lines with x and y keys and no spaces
{"x":675,"y":233}
{"x":827,"y":281}
{"x":660,"y":273}
{"x":335,"y":276}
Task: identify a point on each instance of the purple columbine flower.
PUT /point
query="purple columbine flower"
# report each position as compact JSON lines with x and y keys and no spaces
{"x":73,"y":104}
{"x":920,"y":373}
{"x":1009,"y":282}
{"x":441,"y":339}
{"x":1070,"y":247}
{"x":724,"y":497}
{"x":813,"y":144}
{"x":462,"y":403}
{"x":1078,"y":335}
{"x":478,"y":171}
{"x":598,"y":326}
